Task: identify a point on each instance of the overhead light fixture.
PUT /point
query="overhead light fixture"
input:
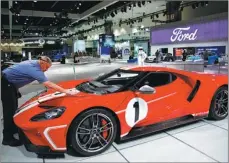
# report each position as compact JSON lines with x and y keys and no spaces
{"x":27,"y":18}
{"x":112,"y":14}
{"x":25,"y":23}
{"x":202,"y":3}
{"x":157,"y":15}
{"x":15,"y":2}
{"x":116,"y":12}
{"x":181,"y":9}
{"x":206,"y":3}
{"x":149,"y":1}
{"x":197,"y":5}
{"x":139,"y":4}
{"x":125,"y":9}
{"x":78,"y":8}
{"x":143,"y":3}
{"x":193,"y":6}
{"x":34,"y":1}
{"x":80,"y":4}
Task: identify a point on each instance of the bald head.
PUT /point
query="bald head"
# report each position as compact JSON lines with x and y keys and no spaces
{"x":45,"y":63}
{"x":46,"y":59}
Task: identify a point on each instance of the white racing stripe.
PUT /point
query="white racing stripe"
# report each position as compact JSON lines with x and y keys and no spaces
{"x":46,"y":131}
{"x":160,"y":98}
{"x":43,"y":99}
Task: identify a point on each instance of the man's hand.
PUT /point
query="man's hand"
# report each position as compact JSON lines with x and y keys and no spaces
{"x":72,"y":93}
{"x":59,"y":89}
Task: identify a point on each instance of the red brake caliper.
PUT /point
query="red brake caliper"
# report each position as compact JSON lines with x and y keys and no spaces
{"x":105,"y":133}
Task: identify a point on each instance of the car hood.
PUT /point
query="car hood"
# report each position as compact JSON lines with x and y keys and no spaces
{"x":50,"y":94}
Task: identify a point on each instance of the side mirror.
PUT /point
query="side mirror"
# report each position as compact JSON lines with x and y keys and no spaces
{"x":147,"y":90}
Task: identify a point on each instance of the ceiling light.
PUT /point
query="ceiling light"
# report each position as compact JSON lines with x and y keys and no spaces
{"x":149,"y":1}
{"x":157,"y":15}
{"x":15,"y":2}
{"x":143,"y":3}
{"x":80,"y":4}
{"x":78,"y":8}
{"x":206,"y":3}
{"x":197,"y":5}
{"x":25,"y":23}
{"x":116,"y":12}
{"x":34,"y":1}
{"x":27,"y":18}
{"x":193,"y":6}
{"x":112,"y":14}
{"x":139,"y":4}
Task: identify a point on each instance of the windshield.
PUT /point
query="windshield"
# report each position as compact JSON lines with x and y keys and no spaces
{"x":109,"y":83}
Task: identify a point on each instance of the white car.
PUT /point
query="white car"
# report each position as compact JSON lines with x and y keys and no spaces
{"x":151,"y":58}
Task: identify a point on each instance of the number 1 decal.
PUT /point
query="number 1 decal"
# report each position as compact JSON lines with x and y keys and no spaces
{"x":136,"y":106}
{"x":136,"y":111}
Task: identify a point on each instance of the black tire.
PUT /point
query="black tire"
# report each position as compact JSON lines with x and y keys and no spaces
{"x":74,"y":140}
{"x":212,"y":111}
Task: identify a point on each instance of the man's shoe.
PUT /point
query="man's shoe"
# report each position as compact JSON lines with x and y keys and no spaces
{"x":12,"y":142}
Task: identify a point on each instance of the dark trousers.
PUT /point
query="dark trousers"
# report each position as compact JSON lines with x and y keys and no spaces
{"x":10,"y":104}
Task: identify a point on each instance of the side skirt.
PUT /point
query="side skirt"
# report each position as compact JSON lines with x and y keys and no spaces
{"x":148,"y":130}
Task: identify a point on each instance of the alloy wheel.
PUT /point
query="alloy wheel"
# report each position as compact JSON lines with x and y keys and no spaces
{"x":221,"y":103}
{"x":94,"y":132}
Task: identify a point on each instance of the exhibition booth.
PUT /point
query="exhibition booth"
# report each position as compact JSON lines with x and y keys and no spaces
{"x":196,"y":36}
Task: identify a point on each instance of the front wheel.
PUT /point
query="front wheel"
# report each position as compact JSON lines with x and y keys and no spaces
{"x":219,"y":105}
{"x":93,"y":132}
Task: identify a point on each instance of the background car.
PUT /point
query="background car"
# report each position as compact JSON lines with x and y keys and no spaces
{"x":5,"y":65}
{"x":151,"y":58}
{"x":124,"y":104}
{"x":167,"y":57}
{"x":194,"y":58}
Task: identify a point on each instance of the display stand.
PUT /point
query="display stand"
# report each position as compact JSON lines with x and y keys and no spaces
{"x":106,"y":45}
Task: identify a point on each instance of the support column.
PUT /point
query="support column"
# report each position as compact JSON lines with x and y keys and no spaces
{"x":10,"y":18}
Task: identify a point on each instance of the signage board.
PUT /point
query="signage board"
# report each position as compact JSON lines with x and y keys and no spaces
{"x":216,"y":30}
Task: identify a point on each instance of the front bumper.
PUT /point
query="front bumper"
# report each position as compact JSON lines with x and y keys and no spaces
{"x":40,"y":150}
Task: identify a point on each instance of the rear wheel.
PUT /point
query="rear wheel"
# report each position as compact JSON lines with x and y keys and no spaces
{"x":219,"y":105}
{"x":93,"y":132}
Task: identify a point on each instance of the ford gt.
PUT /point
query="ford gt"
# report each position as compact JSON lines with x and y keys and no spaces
{"x":121,"y":105}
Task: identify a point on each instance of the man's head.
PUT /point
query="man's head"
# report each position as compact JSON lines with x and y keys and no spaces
{"x":45,"y":63}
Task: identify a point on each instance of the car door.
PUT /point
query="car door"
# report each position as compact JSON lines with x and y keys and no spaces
{"x":167,"y":102}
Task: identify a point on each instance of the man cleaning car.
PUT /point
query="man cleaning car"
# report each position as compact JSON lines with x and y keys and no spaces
{"x":12,"y":79}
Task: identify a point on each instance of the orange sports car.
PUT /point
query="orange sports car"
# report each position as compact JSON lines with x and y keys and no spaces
{"x":123,"y":104}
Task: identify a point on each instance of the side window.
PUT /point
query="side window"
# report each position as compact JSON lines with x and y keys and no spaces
{"x":157,"y":79}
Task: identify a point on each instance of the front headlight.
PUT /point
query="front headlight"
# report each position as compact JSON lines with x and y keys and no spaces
{"x":50,"y":114}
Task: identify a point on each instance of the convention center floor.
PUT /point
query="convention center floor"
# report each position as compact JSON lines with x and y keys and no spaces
{"x":203,"y":141}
